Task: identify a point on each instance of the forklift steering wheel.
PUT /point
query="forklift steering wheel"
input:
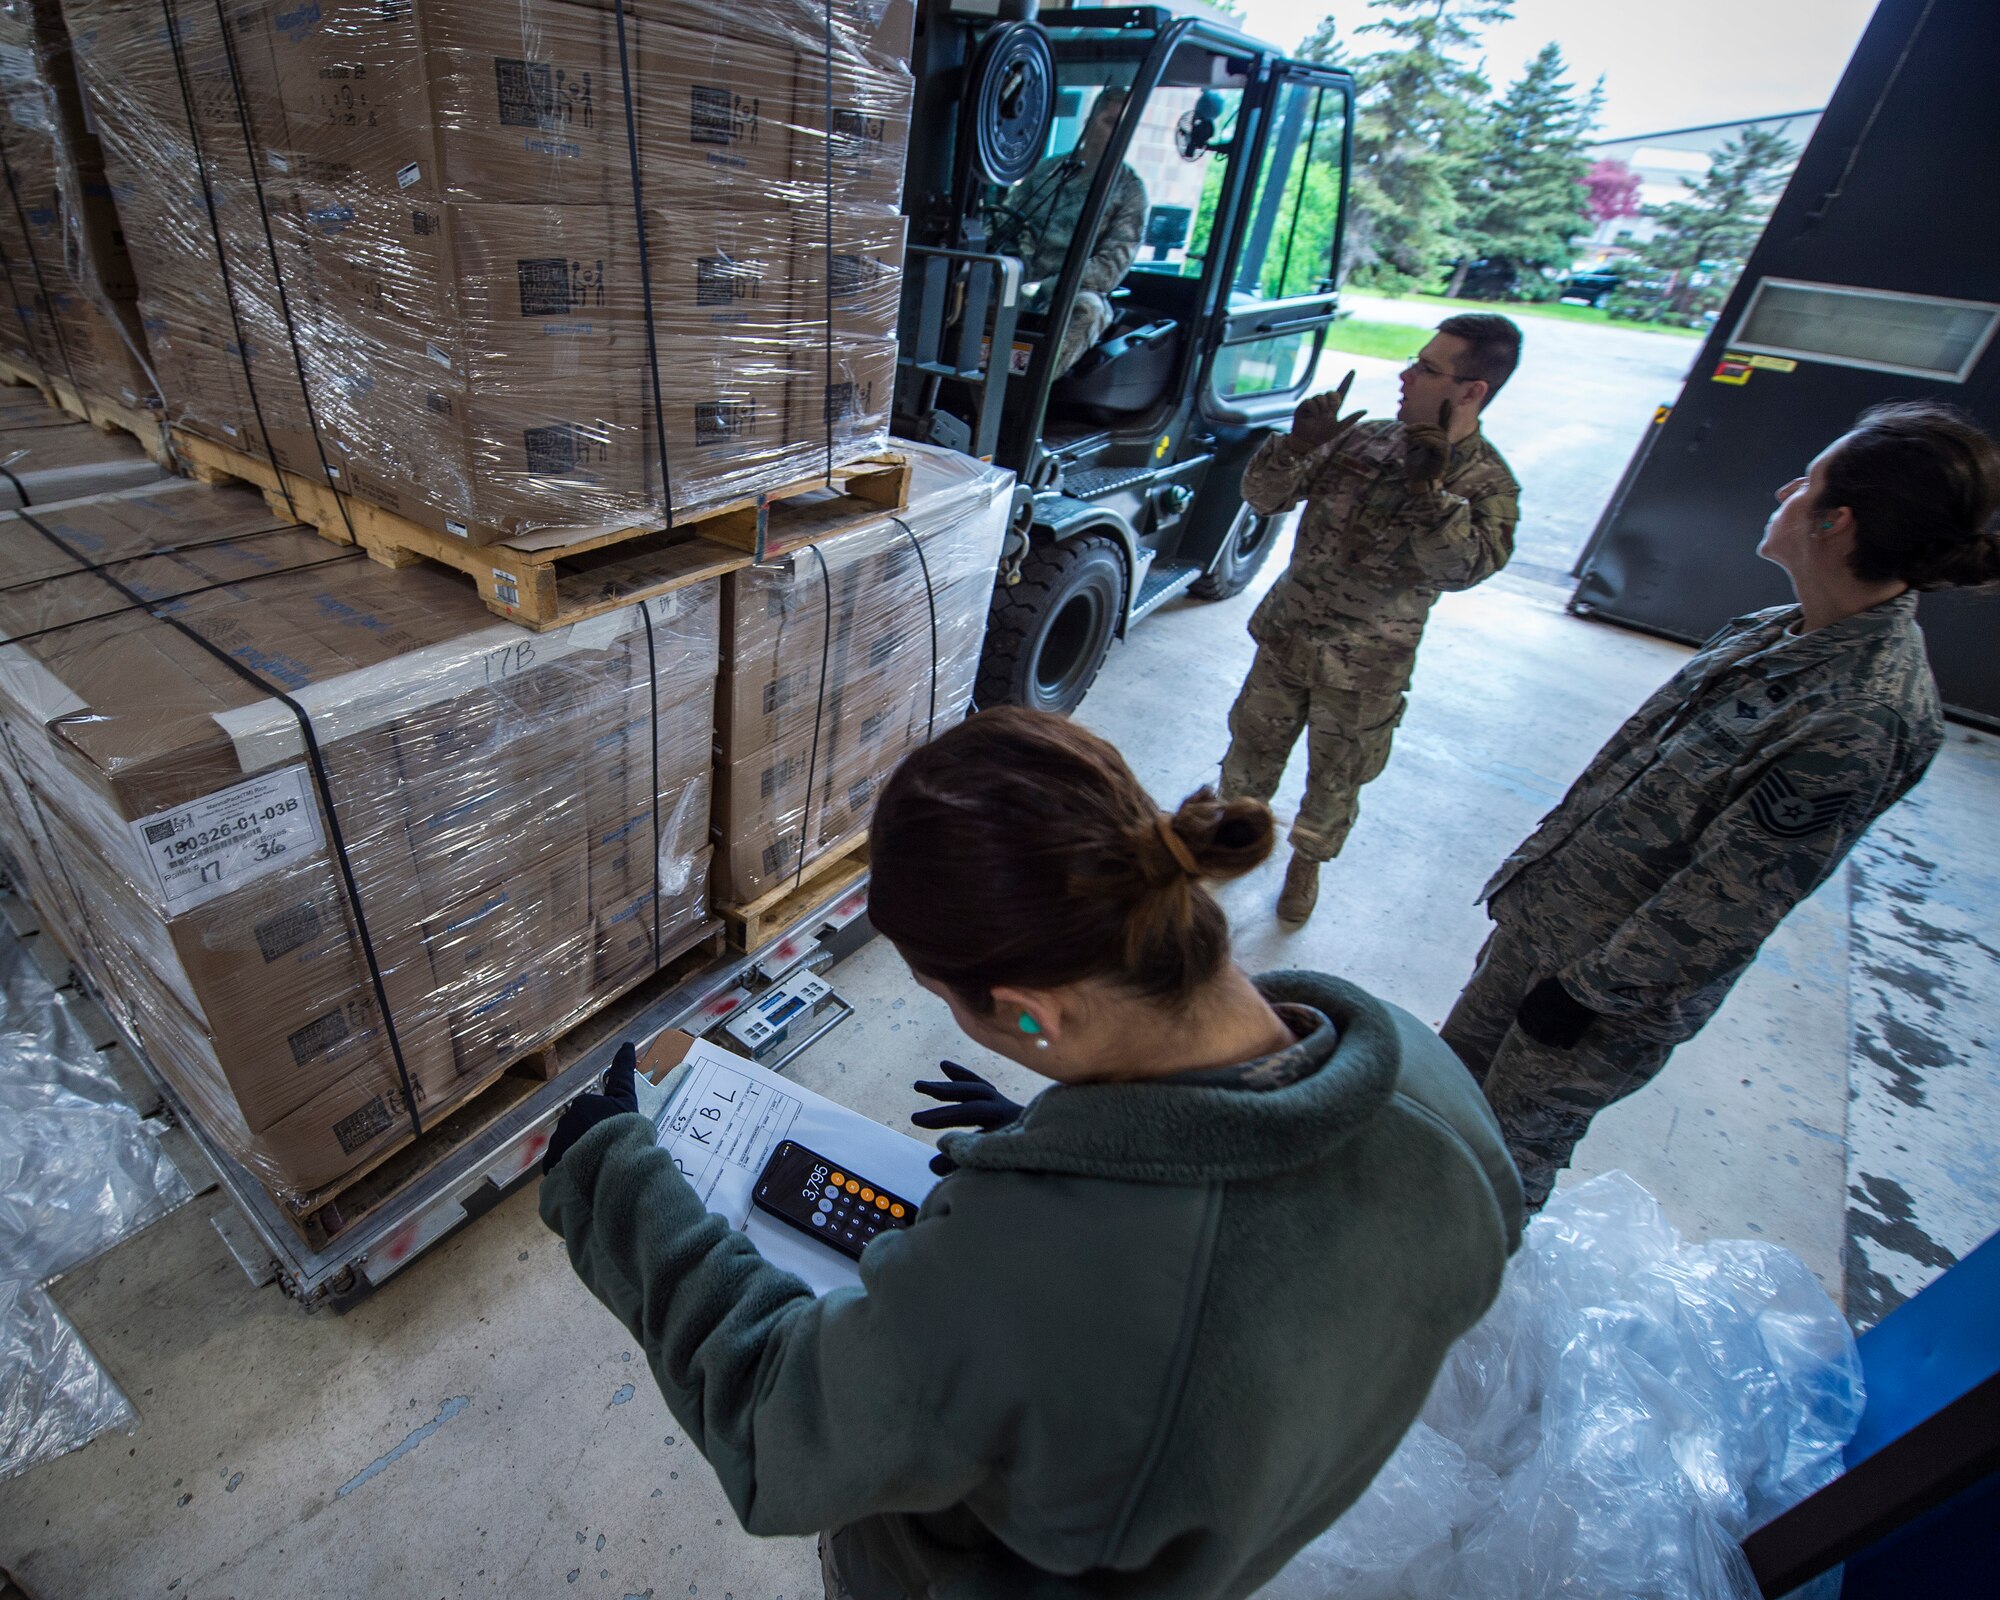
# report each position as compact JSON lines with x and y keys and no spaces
{"x":1012,"y":101}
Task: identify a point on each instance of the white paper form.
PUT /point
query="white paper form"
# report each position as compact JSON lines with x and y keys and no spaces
{"x":726,"y":1116}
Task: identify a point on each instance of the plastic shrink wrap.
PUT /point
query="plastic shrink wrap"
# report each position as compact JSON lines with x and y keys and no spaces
{"x":78,"y":1172}
{"x":336,"y":844}
{"x":73,"y":325}
{"x":500,"y":265}
{"x":839,"y":660}
{"x":46,"y":455}
{"x":1629,"y":1409}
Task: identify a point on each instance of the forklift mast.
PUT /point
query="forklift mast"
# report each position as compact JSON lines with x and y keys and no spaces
{"x":1132,"y":446}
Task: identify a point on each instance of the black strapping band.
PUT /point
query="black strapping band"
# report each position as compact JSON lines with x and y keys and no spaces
{"x":645,"y":264}
{"x":828,"y":406}
{"x":185,"y":594}
{"x":41,"y":283}
{"x":148,"y":555}
{"x":278,"y":276}
{"x":819,"y":710}
{"x":653,"y":722}
{"x":930,"y":599}
{"x":318,"y":762}
{"x":221,"y":254}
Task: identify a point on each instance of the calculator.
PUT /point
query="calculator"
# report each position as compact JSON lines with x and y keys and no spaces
{"x":828,"y":1201}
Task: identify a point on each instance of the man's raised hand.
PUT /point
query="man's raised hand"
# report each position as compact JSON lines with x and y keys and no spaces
{"x":1318,"y":420}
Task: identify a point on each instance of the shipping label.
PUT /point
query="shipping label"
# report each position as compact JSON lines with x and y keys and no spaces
{"x":222,"y":841}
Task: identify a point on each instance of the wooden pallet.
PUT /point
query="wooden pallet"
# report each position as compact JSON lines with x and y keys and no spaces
{"x":755,"y":923}
{"x":102,"y":413}
{"x":323,"y":1216}
{"x":554,"y":577}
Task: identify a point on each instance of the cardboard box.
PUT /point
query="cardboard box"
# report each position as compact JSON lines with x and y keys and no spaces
{"x":356,"y":98}
{"x":843,"y":395}
{"x":718,"y":116}
{"x":850,"y":127}
{"x":624,"y":950}
{"x":861,"y":289}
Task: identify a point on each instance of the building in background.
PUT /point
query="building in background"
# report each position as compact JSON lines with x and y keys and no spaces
{"x":1661,"y":161}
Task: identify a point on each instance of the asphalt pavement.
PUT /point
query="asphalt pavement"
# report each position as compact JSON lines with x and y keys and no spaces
{"x":1567,"y":422}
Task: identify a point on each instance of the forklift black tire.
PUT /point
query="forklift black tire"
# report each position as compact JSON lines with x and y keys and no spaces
{"x":1047,"y":636}
{"x":1244,"y":549}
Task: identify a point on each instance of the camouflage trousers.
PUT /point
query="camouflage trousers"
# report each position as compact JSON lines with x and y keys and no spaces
{"x":1543,"y":1097}
{"x":1348,"y":734}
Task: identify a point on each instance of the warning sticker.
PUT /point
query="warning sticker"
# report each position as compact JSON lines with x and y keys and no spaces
{"x":1774,"y":364}
{"x":1732,"y":368}
{"x":224,"y":840}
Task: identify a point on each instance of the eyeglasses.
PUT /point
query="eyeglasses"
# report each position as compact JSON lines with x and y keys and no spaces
{"x":1419,"y":364}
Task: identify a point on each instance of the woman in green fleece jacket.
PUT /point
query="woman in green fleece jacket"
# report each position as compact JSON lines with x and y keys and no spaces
{"x":1154,"y":1332}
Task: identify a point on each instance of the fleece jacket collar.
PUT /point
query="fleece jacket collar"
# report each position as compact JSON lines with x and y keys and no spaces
{"x":1160,"y":1132}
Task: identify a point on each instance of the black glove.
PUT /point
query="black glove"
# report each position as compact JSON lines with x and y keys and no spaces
{"x":1551,"y":1015}
{"x":970,"y":1102}
{"x":586,"y":1111}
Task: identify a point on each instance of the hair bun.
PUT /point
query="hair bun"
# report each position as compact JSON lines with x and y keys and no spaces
{"x":1225,"y":838}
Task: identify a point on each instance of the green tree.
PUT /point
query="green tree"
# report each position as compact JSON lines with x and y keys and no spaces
{"x":1689,"y":266}
{"x":1323,"y":45}
{"x":1416,"y":128}
{"x":1523,"y":207}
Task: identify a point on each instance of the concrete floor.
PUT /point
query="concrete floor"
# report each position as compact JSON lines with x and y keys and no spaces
{"x":482,"y":1427}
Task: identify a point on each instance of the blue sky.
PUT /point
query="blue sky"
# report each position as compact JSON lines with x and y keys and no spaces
{"x":1666,"y":63}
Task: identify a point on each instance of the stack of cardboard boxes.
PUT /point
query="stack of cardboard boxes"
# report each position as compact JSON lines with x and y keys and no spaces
{"x":401,"y":244}
{"x":68,"y":280}
{"x":519,"y":821}
{"x":839,"y":661}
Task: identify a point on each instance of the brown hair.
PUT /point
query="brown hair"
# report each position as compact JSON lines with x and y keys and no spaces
{"x":1494,"y":347}
{"x":1923,"y":482}
{"x":1018,"y":848}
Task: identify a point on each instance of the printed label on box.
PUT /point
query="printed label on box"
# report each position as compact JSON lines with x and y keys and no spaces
{"x":406,"y":176}
{"x":230,"y":838}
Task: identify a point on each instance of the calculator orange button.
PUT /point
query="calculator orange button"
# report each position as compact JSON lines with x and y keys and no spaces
{"x":882,"y":1201}
{"x":836,"y":1180}
{"x":852,"y":1187}
{"x":867,"y":1194}
{"x":895,"y":1211}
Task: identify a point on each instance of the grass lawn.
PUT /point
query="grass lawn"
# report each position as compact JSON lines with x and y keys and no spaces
{"x":1537,"y":308}
{"x":1387,"y":341}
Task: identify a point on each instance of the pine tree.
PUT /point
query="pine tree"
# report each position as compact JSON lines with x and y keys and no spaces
{"x":1693,"y":261}
{"x":1523,"y":209}
{"x":1415,"y":129}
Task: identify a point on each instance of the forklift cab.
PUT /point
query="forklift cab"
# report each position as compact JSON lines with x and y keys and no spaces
{"x":1216,"y":177}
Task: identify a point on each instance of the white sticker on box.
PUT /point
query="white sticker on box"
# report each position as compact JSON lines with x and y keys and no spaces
{"x":454,"y":526}
{"x":230,"y":838}
{"x":439,"y":356}
{"x":405,"y":176}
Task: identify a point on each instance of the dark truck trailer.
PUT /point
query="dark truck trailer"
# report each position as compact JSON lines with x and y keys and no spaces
{"x":1877,"y":279}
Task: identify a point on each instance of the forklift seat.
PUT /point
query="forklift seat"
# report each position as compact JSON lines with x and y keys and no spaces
{"x":1128,"y":370}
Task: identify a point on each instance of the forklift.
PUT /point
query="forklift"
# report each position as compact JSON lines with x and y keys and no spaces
{"x":1128,"y":462}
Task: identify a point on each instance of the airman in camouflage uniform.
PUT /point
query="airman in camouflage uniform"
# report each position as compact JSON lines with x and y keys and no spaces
{"x":1623,"y":921}
{"x":1396,"y":513}
{"x":1051,"y":203}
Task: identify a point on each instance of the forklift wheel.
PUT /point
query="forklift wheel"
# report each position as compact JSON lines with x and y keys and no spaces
{"x":1048,"y":634}
{"x":1244,"y":548}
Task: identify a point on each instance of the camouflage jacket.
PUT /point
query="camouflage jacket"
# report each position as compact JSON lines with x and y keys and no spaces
{"x":1727,"y":799}
{"x":1055,"y":201}
{"x":1372,"y":555}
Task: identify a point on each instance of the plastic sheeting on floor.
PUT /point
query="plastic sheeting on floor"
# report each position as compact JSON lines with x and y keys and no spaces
{"x":78,"y":1172}
{"x":1630,"y":1408}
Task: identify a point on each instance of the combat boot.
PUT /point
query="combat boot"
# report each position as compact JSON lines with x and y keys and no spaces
{"x":1301,"y":892}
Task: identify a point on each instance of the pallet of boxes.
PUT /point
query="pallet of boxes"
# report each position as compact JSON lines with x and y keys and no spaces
{"x":72,"y":329}
{"x":348,"y":855}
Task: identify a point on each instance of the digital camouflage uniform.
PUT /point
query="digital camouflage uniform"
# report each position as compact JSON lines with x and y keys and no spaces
{"x":1054,"y":200}
{"x":1337,"y":636}
{"x":1728,"y":798}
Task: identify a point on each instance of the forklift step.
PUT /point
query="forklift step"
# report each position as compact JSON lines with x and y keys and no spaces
{"x":1091,"y":482}
{"x":1162,"y":584}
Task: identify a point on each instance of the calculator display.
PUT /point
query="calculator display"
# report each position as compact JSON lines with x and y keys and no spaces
{"x":824,"y":1199}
